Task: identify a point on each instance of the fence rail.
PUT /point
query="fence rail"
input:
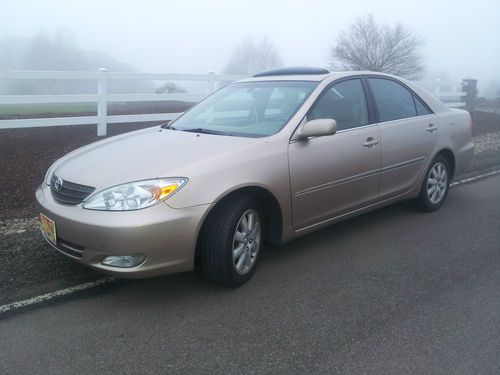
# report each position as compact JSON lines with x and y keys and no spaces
{"x":450,"y":93}
{"x":103,"y":97}
{"x":91,"y":75}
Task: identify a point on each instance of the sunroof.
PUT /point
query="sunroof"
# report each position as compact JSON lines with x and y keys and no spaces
{"x":301,"y":70}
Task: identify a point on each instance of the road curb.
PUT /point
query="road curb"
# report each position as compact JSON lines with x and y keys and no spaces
{"x":52,"y":295}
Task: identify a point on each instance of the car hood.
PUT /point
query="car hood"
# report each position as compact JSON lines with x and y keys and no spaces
{"x":144,"y":154}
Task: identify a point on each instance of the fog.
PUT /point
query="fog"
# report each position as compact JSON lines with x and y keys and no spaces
{"x":462,"y":38}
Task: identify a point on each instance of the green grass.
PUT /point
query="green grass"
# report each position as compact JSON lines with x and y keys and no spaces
{"x":30,"y":109}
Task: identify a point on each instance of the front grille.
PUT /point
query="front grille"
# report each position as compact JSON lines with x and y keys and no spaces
{"x":69,"y":192}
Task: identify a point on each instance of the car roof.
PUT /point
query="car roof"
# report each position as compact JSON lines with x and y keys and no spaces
{"x":307,"y":74}
{"x":301,"y":70}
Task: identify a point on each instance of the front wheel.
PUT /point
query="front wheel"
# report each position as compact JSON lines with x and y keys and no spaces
{"x":232,"y":242}
{"x":435,"y":186}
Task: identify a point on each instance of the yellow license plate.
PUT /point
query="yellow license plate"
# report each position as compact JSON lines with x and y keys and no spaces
{"x":48,"y":228}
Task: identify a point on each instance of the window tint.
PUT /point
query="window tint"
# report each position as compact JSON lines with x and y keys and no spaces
{"x":421,"y":108}
{"x":345,"y":103}
{"x":392,"y":99}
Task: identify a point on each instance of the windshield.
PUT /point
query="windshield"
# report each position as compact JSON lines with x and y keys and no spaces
{"x":251,"y":109}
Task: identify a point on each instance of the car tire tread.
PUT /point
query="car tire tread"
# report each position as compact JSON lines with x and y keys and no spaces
{"x":217,"y":240}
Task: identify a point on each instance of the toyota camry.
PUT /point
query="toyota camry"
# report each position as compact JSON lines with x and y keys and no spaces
{"x":262,"y":160}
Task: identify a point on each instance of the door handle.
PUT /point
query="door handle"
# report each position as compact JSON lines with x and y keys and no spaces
{"x":370,"y":142}
{"x":431,"y":128}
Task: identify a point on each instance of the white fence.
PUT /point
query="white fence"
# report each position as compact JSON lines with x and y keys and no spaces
{"x":102,"y":97}
{"x":451,"y":94}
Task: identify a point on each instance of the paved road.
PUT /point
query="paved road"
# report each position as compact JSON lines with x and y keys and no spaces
{"x":394,"y":291}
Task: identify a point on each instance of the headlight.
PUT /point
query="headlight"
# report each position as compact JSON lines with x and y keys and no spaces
{"x":134,"y":195}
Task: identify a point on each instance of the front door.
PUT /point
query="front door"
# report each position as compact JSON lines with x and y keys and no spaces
{"x":336,"y":174}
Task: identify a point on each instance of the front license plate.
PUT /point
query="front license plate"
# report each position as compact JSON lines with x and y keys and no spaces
{"x":48,"y":228}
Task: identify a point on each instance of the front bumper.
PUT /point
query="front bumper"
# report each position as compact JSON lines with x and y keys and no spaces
{"x":166,"y":236}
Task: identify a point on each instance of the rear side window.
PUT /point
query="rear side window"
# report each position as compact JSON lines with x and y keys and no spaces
{"x":393,"y":100}
{"x":421,"y":108}
{"x":344,"y":102}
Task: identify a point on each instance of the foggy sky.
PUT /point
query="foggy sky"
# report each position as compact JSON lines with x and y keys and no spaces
{"x":188,"y":36}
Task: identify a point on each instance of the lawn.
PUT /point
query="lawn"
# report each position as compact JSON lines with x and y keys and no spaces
{"x":31,"y":109}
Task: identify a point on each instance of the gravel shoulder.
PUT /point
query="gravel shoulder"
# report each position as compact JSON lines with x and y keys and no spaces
{"x":486,"y":155}
{"x":29,"y":266}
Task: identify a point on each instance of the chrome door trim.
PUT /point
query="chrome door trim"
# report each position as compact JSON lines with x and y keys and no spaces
{"x":403,"y":164}
{"x":337,"y":182}
{"x":353,"y":212}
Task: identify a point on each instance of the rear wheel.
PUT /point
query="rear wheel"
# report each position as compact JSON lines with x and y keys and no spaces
{"x":435,"y":186}
{"x":231,"y":242}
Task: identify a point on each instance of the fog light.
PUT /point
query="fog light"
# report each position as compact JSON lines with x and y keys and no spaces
{"x":124,"y":261}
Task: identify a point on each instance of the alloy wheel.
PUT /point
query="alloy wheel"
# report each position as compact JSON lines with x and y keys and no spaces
{"x":246,"y":241}
{"x":437,"y":183}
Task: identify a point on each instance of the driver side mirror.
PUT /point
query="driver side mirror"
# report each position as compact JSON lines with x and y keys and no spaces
{"x":316,"y":128}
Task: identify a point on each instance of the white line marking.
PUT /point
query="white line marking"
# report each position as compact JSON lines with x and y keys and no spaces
{"x":51,"y":295}
{"x":76,"y":288}
{"x":475,"y":178}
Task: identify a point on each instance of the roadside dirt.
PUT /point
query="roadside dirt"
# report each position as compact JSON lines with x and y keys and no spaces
{"x":26,"y":154}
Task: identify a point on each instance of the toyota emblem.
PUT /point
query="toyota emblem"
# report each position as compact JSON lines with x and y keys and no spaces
{"x":58,"y":183}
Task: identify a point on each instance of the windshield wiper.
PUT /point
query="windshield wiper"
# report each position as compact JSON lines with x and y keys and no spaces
{"x":205,"y":131}
{"x":168,"y":125}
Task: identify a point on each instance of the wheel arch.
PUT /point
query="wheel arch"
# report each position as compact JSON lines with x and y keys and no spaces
{"x":273,"y":215}
{"x":450,"y":157}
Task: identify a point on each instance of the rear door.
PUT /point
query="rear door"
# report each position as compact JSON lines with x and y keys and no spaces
{"x":408,"y":135}
{"x":335,"y":174}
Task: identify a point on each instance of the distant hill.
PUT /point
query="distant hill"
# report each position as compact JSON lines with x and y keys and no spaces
{"x":59,"y":53}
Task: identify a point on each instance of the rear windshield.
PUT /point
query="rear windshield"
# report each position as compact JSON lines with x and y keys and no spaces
{"x":252,"y":109}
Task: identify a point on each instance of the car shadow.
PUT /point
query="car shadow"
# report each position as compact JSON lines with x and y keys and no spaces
{"x":275,"y":259}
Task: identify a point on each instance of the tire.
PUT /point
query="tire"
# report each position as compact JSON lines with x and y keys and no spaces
{"x":231,"y":245}
{"x":435,"y":186}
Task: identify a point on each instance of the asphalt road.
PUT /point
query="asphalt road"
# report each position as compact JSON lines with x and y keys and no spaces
{"x":393,"y":291}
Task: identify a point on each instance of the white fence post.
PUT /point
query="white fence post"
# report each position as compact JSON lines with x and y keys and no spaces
{"x":102,"y":103}
{"x":211,"y":82}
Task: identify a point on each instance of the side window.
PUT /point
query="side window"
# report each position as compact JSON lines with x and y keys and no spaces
{"x":344,"y":102}
{"x":421,"y":108}
{"x":392,"y":99}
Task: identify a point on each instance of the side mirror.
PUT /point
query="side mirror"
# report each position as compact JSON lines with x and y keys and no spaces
{"x":317,"y":128}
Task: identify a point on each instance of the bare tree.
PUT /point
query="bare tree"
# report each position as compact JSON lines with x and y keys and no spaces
{"x":252,"y":56}
{"x":56,"y":51}
{"x":59,"y":51}
{"x":368,"y":46}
